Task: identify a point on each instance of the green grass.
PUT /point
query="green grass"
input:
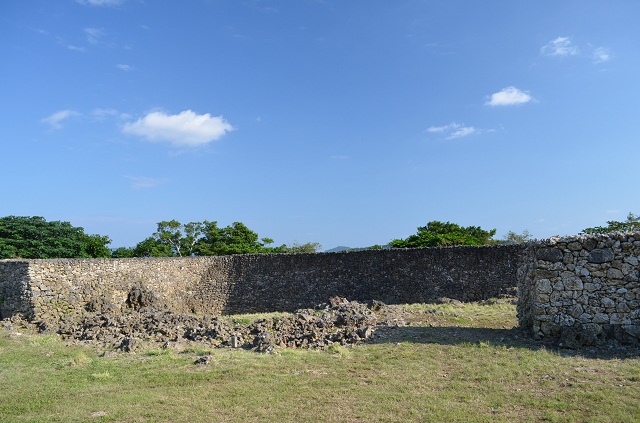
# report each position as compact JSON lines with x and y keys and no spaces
{"x":455,"y":362}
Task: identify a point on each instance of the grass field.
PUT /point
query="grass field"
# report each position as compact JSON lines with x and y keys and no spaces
{"x":454,"y":362}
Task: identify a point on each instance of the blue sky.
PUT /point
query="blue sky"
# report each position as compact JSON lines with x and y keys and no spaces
{"x":338,"y":122}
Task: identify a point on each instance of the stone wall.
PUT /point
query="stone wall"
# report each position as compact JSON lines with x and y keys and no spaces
{"x":581,"y":290}
{"x":49,"y":290}
{"x":15,"y":294}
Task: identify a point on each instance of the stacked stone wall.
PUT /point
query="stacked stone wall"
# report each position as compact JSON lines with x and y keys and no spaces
{"x":581,"y":290}
{"x":51,"y":290}
{"x":15,"y":295}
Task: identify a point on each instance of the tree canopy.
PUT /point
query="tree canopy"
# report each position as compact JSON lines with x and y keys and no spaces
{"x":206,"y":238}
{"x":438,"y":233}
{"x":515,"y":238}
{"x":35,"y":238}
{"x":632,"y":224}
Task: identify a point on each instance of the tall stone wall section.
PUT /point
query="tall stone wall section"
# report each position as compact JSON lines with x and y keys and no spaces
{"x":15,"y":292}
{"x":581,"y":290}
{"x":51,"y":290}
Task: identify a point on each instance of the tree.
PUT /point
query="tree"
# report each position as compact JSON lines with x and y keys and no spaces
{"x":171,"y":233}
{"x":234,"y":239}
{"x":151,"y":247}
{"x":514,"y":238}
{"x":207,"y":239}
{"x":438,"y":233}
{"x":308,"y":247}
{"x":632,"y":224}
{"x":34,"y":237}
{"x":123,"y":252}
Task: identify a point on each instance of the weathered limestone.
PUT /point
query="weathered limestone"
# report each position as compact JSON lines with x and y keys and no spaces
{"x":50,"y":290}
{"x":581,"y":290}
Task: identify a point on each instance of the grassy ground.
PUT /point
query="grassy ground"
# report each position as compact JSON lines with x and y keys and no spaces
{"x":454,"y":362}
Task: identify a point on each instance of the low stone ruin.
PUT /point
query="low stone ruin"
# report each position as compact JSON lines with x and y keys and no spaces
{"x":339,"y":321}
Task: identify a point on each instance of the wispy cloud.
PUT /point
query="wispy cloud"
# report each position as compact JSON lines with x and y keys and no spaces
{"x":100,"y":2}
{"x":76,"y":48}
{"x":145,"y":182}
{"x":601,"y":55}
{"x":561,"y":46}
{"x":453,"y":130}
{"x":184,"y":129}
{"x":565,"y":47}
{"x":509,"y":96}
{"x":55,"y":120}
{"x":124,"y":67}
{"x":93,"y":34}
{"x":104,"y":114}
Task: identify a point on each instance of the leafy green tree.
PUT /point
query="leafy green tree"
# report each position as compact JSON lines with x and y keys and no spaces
{"x":34,"y":237}
{"x":182,"y":239}
{"x":208,"y":239}
{"x":632,"y":224}
{"x":151,"y":247}
{"x":514,"y":238}
{"x":308,"y":247}
{"x":438,"y":233}
{"x":123,"y":252}
{"x":234,"y":239}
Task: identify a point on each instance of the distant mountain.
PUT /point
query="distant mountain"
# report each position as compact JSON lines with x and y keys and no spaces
{"x":338,"y":249}
{"x":343,"y":248}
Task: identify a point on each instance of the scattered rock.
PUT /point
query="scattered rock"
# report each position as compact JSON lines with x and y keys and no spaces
{"x":205,"y":360}
{"x":141,"y":323}
{"x":98,"y":414}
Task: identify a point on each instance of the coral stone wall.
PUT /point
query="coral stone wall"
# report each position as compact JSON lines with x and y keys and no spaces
{"x":50,"y":290}
{"x":15,"y":294}
{"x":581,"y":290}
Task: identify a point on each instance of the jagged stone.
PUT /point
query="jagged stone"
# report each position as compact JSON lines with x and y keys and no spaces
{"x":339,"y":320}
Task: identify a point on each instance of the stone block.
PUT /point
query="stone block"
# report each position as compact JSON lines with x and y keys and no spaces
{"x":614,"y":273}
{"x":574,"y":246}
{"x":622,"y":307}
{"x":542,"y":298}
{"x":544,"y":286}
{"x":550,"y":254}
{"x":573,"y":283}
{"x":591,"y":287}
{"x":601,"y":255}
{"x":601,"y":318}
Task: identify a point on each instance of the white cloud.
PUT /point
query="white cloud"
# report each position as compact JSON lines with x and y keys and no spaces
{"x":601,"y":54}
{"x":93,"y":34}
{"x":184,"y":129}
{"x":509,"y":96}
{"x":55,"y":120}
{"x":103,"y":114}
{"x":561,"y":46}
{"x":124,"y":67}
{"x":100,"y":2}
{"x":462,"y":132}
{"x":453,"y":130}
{"x":145,"y":182}
{"x":437,"y":129}
{"x":76,"y":48}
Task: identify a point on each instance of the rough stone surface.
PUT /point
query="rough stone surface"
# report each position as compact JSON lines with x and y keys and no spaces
{"x":50,"y":290}
{"x":589,"y":296}
{"x":339,"y":321}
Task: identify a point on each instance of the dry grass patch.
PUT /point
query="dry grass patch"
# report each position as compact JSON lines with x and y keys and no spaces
{"x":452,"y":362}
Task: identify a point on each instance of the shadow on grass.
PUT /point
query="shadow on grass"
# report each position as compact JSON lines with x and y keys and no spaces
{"x":509,"y":338}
